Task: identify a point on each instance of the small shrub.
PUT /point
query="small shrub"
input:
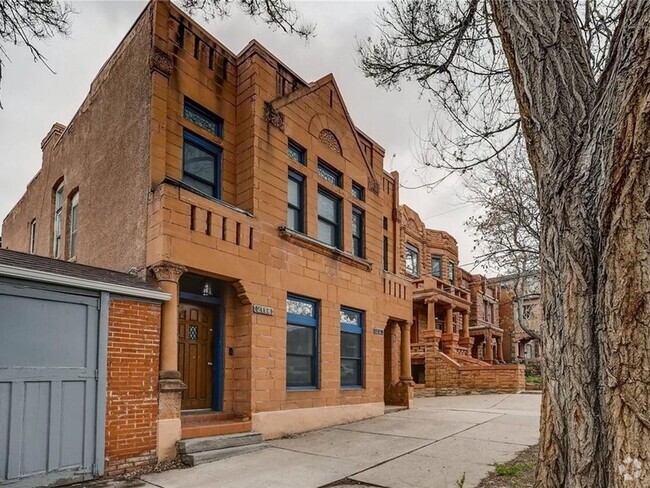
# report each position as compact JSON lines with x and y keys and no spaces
{"x":511,"y":469}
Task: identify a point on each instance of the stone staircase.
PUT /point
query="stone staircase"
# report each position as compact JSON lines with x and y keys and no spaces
{"x":207,"y":449}
{"x":206,"y":423}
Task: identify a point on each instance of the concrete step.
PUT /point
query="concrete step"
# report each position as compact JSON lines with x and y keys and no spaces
{"x":194,"y":417}
{"x":191,"y":446}
{"x":215,"y":428}
{"x":208,"y":456}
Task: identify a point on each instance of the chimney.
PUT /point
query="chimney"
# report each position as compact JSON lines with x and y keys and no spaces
{"x":52,"y":136}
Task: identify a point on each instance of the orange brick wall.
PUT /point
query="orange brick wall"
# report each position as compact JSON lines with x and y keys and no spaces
{"x":132,"y":385}
{"x":247,"y":250}
{"x":461,"y":378}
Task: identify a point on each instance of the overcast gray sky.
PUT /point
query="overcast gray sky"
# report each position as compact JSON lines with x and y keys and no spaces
{"x":34,"y":98}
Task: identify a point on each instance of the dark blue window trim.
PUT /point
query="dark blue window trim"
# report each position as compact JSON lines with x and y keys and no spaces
{"x":218,"y":358}
{"x":207,"y":146}
{"x":358,"y":191}
{"x":306,"y":321}
{"x":298,"y":149}
{"x":358,"y":241}
{"x":358,"y":330}
{"x":327,"y":172}
{"x":336,"y":224}
{"x":191,"y":105}
{"x":300,"y":179}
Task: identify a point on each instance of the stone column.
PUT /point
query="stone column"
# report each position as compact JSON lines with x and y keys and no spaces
{"x":449,"y":320}
{"x":168,"y":275}
{"x":489,"y":355}
{"x":449,"y":338}
{"x":405,"y":356}
{"x":170,"y":385}
{"x":465,"y":340}
{"x":406,"y":379}
{"x":500,"y":350}
{"x":431,"y":315}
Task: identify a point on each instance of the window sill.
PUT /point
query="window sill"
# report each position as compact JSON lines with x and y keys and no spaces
{"x":324,"y":249}
{"x":180,"y":184}
{"x":352,"y":388}
{"x":296,"y":389}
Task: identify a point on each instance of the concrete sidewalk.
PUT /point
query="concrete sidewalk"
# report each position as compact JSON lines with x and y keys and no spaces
{"x":429,"y":446}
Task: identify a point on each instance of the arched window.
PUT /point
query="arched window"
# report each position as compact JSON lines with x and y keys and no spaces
{"x":32,"y":236}
{"x":73,"y":218}
{"x":58,"y":221}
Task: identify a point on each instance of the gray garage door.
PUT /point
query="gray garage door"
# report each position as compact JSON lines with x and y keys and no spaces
{"x":49,"y":428}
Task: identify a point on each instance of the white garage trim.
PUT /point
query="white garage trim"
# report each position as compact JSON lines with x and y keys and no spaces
{"x":45,"y":277}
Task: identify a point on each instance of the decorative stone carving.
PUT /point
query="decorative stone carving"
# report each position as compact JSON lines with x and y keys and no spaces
{"x":161,"y":61}
{"x":328,"y":138}
{"x":273,"y":116}
{"x":168,"y":272}
{"x":396,"y":216}
{"x":374,"y":187}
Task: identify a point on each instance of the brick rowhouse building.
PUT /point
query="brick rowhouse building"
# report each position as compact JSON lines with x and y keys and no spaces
{"x":251,"y":198}
{"x":455,"y":339}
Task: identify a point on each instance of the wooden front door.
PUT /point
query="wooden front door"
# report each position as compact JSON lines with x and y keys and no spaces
{"x":195,"y":354}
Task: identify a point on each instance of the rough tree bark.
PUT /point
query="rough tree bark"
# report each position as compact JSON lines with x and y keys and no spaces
{"x":589,"y":146}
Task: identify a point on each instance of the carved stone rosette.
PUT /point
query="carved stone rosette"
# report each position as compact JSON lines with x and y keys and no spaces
{"x":273,"y":116}
{"x":328,"y":138}
{"x":373,"y":186}
{"x":161,"y":61}
{"x":168,"y":272}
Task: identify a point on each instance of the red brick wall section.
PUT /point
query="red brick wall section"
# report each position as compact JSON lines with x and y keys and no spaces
{"x":132,"y":386}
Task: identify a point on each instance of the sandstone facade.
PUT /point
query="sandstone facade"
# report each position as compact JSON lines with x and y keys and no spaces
{"x":249,"y":195}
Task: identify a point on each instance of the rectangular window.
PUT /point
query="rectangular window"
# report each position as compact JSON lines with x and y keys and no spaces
{"x":295,"y":202}
{"x":351,"y":348}
{"x":436,"y":266}
{"x":452,"y":271}
{"x":329,"y":218}
{"x":385,"y":253}
{"x":201,"y":164}
{"x":296,"y":153}
{"x":328,"y":173}
{"x":412,"y":257}
{"x":357,"y":232}
{"x":358,"y":192}
{"x":202,"y":117}
{"x":32,"y":237}
{"x":58,"y":221}
{"x":302,"y":342}
{"x":74,"y":220}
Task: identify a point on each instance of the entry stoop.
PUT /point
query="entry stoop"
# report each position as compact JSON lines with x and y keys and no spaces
{"x":207,"y":449}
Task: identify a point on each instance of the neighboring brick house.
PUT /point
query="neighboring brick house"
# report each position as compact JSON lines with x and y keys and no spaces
{"x":520,"y":304}
{"x":455,"y":338}
{"x":484,"y":324}
{"x":249,"y":196}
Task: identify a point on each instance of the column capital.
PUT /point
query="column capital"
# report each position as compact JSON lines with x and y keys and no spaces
{"x":405,"y":325}
{"x":166,"y":271}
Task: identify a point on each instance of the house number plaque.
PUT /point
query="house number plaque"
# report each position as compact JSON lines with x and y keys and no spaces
{"x":262,"y":310}
{"x":379,"y":332}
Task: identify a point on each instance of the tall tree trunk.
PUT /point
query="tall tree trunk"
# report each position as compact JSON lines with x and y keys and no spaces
{"x":589,"y":147}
